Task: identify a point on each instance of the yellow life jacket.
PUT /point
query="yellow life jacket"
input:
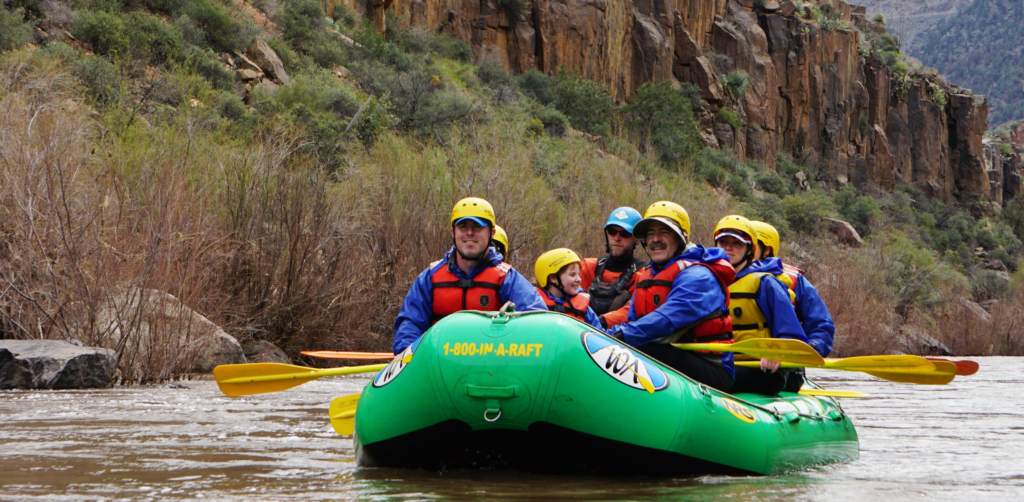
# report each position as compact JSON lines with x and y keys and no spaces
{"x":747,"y":319}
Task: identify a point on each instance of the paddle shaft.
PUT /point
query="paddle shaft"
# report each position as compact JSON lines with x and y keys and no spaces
{"x":349,"y":370}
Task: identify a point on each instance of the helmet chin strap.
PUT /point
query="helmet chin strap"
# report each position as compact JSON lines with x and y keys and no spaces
{"x":558,"y":285}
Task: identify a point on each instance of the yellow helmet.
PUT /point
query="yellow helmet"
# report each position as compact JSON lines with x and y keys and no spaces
{"x":476,"y":208}
{"x":768,"y":236}
{"x":501,"y":237}
{"x":738,"y":227}
{"x":551,"y":262}
{"x":669,"y":213}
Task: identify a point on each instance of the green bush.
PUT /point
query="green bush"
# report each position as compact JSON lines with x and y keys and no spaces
{"x":223,"y":32}
{"x":879,"y":18}
{"x":1006,"y":258}
{"x":103,"y":31}
{"x":769,"y":210}
{"x":537,"y":85}
{"x":291,"y":61}
{"x":804,"y":212}
{"x":303,"y":27}
{"x":587,"y":104}
{"x":663,"y":118}
{"x":493,"y":73}
{"x":514,"y":7}
{"x":736,"y":82}
{"x":437,"y":43}
{"x":99,"y":78}
{"x":442,"y":108}
{"x":737,"y":186}
{"x":730,"y":117}
{"x":14,"y":30}
{"x":989,"y":285}
{"x":555,"y":122}
{"x":230,"y":106}
{"x":205,"y":63}
{"x":152,"y":39}
{"x":770,"y":182}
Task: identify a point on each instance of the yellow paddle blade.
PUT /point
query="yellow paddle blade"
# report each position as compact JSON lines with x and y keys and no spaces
{"x":831,"y":393}
{"x":934,"y":378}
{"x":776,"y":349}
{"x":343,"y":414}
{"x":261,"y":378}
{"x":888,"y":364}
{"x":331,"y":354}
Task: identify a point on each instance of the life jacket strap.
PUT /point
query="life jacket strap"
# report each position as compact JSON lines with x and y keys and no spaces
{"x":467,"y":284}
{"x":652,"y":282}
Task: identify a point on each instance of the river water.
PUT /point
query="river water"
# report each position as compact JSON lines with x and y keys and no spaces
{"x":186,"y":441}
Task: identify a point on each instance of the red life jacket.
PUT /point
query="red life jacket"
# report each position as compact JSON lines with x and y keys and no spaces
{"x":452,"y":294}
{"x":652,"y":290}
{"x":793,"y":273}
{"x":576,"y":306}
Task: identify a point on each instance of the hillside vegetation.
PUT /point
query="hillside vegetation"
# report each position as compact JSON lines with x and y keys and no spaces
{"x":300,"y":212}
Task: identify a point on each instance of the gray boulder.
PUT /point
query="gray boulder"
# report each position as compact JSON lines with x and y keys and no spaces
{"x":52,"y":364}
{"x":266,"y":58}
{"x":262,"y":351}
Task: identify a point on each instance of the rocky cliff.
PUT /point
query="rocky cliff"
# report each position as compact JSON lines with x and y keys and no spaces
{"x":812,"y":96}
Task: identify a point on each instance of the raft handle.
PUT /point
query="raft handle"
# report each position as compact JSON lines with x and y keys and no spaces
{"x":477,"y":391}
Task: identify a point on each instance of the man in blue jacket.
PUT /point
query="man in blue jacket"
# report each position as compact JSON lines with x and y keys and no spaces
{"x":471,"y":276}
{"x":760,"y":305}
{"x":680,"y":298}
{"x":811,"y":310}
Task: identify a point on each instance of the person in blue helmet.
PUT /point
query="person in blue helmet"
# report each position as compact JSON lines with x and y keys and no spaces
{"x":681,"y":297}
{"x":810,"y":308}
{"x":759,"y":303}
{"x":611,"y":279}
{"x":471,"y":276}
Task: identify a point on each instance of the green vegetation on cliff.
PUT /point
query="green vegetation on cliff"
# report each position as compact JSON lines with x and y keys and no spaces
{"x":299,"y":213}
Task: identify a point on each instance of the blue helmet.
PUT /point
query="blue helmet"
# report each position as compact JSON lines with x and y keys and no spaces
{"x":625,"y":217}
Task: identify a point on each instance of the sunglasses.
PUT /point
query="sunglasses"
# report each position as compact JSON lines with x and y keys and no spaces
{"x":620,"y":232}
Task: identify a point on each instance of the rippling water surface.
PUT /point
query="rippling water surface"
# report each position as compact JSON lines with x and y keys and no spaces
{"x":963,"y":441}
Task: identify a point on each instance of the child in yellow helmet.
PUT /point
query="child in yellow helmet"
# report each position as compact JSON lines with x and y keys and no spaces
{"x":558,"y":275}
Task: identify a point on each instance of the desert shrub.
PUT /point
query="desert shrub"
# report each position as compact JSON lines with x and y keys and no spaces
{"x":443,"y":108}
{"x":662,"y":118}
{"x":514,"y":7}
{"x":555,"y":122}
{"x":223,"y":32}
{"x":152,"y":39}
{"x":230,"y":106}
{"x":205,"y":63}
{"x":879,"y":18}
{"x":805,"y":211}
{"x":730,"y":117}
{"x":14,"y":30}
{"x":407,"y":90}
{"x":988,"y":285}
{"x":104,"y":31}
{"x":538,"y":85}
{"x":292,"y":62}
{"x":99,"y":78}
{"x":859,"y":211}
{"x":769,"y":181}
{"x":344,"y":15}
{"x":736,"y":82}
{"x":437,"y":43}
{"x":492,"y":73}
{"x":1006,"y":258}
{"x":769,"y":210}
{"x":720,"y":63}
{"x":717,"y":167}
{"x":587,"y":104}
{"x":303,"y":27}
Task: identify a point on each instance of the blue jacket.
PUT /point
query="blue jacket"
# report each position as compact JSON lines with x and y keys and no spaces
{"x":591,"y":317}
{"x":695,"y":294}
{"x":813,"y":314}
{"x":414,"y":318}
{"x":773,"y":300}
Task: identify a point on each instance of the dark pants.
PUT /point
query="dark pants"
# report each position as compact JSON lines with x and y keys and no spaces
{"x":755,"y":381}
{"x":690,"y":364}
{"x":794,"y":381}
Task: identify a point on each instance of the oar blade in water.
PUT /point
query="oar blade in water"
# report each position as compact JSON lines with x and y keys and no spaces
{"x":343,"y":414}
{"x":936,"y":378}
{"x":895,"y":363}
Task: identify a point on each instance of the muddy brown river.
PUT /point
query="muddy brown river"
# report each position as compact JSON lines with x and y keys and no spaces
{"x":186,"y":441}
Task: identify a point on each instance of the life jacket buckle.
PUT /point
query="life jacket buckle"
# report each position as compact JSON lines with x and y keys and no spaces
{"x":465,"y":283}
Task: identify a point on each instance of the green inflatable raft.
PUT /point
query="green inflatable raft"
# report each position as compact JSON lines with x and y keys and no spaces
{"x":542,"y":392}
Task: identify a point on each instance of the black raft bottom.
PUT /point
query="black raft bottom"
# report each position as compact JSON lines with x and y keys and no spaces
{"x":545,"y":448}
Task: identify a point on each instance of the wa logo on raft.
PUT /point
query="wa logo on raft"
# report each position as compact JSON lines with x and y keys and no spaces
{"x":623,"y":364}
{"x":391,"y":371}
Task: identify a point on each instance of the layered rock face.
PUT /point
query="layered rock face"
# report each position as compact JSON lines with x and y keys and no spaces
{"x":812,"y":96}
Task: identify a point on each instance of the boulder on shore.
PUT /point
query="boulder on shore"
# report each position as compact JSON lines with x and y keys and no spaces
{"x":262,"y":351}
{"x":53,"y":364}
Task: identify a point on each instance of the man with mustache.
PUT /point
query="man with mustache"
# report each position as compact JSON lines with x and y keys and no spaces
{"x":811,"y":310}
{"x":611,"y":279}
{"x":471,"y":276}
{"x":681,"y":297}
{"x":760,"y":305}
